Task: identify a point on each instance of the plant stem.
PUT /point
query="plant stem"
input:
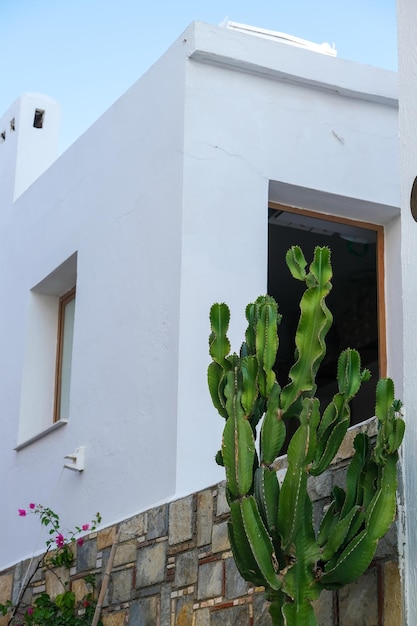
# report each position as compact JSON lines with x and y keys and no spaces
{"x":26,"y":585}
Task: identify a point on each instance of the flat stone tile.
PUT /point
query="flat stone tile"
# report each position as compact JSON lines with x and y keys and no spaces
{"x":151,"y":564}
{"x":204,"y":517}
{"x":157,"y":520}
{"x":210,"y":580}
{"x":186,"y":569}
{"x":181,"y":520}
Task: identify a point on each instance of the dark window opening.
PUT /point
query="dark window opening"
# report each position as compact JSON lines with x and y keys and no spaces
{"x":12,"y":125}
{"x":38,"y":118}
{"x":3,"y":136}
{"x":353,"y":299}
{"x":66,"y":312}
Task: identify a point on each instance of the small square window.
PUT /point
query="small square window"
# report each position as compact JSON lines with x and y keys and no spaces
{"x":38,"y":118}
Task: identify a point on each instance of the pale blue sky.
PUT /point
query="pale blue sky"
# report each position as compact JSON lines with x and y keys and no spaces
{"x":86,"y":53}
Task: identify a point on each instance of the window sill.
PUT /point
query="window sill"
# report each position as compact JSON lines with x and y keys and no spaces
{"x":40,"y":435}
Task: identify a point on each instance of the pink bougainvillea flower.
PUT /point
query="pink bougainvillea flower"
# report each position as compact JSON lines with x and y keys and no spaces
{"x":32,"y":505}
{"x":21,"y":512}
{"x":30,"y":610}
{"x":80,"y":541}
{"x":85,"y":526}
{"x":59,"y":540}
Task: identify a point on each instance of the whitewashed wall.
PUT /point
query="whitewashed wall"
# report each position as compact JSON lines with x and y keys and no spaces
{"x":407,"y":28}
{"x":164,"y":200}
{"x":261,"y":122}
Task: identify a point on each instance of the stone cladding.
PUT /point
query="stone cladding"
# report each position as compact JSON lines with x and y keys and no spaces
{"x":173,"y":567}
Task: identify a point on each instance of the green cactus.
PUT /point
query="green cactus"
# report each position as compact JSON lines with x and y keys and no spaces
{"x":271,"y":527}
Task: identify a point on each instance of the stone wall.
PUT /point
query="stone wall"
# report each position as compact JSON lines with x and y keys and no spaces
{"x":173,"y":567}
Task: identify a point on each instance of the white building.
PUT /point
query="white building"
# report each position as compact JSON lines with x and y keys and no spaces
{"x":157,"y":211}
{"x":407,"y":27}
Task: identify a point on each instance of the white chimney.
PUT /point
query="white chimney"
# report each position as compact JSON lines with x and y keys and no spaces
{"x":28,"y":143}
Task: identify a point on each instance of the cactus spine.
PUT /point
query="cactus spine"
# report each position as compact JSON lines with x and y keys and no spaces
{"x":271,"y":528}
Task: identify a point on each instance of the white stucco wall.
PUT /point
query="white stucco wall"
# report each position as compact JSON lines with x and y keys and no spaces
{"x":253,"y":133}
{"x":407,"y":65}
{"x":115,"y":199}
{"x":164,"y":200}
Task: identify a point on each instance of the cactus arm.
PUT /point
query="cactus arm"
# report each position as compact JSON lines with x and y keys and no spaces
{"x":296,"y":262}
{"x":336,"y":418}
{"x":369,"y":483}
{"x":260,"y":542}
{"x":238,"y":445}
{"x":300,"y":581}
{"x":216,"y":383}
{"x":291,"y":509}
{"x":349,"y":378}
{"x":267,"y":499}
{"x":381,"y":511}
{"x":277,"y":599}
{"x":349,"y":374}
{"x":242,"y":551}
{"x":273,"y":429}
{"x":302,"y":615}
{"x":291,"y":514}
{"x":219,"y":344}
{"x":266,"y":343}
{"x":251,"y":313}
{"x":391,"y":426}
{"x":315,"y":321}
{"x":354,"y":474}
{"x":267,"y":496}
{"x":331,"y":446}
{"x":327,"y":524}
{"x":339,"y":533}
{"x":351,"y":564}
{"x":249,"y":366}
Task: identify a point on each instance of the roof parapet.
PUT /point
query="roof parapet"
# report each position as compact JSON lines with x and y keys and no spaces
{"x":291,"y":40}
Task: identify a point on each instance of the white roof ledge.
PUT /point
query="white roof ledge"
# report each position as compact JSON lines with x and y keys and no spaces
{"x":273,"y":59}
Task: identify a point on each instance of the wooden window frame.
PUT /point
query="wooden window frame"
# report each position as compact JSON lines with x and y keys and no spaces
{"x":63,"y":302}
{"x":380,"y":269}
